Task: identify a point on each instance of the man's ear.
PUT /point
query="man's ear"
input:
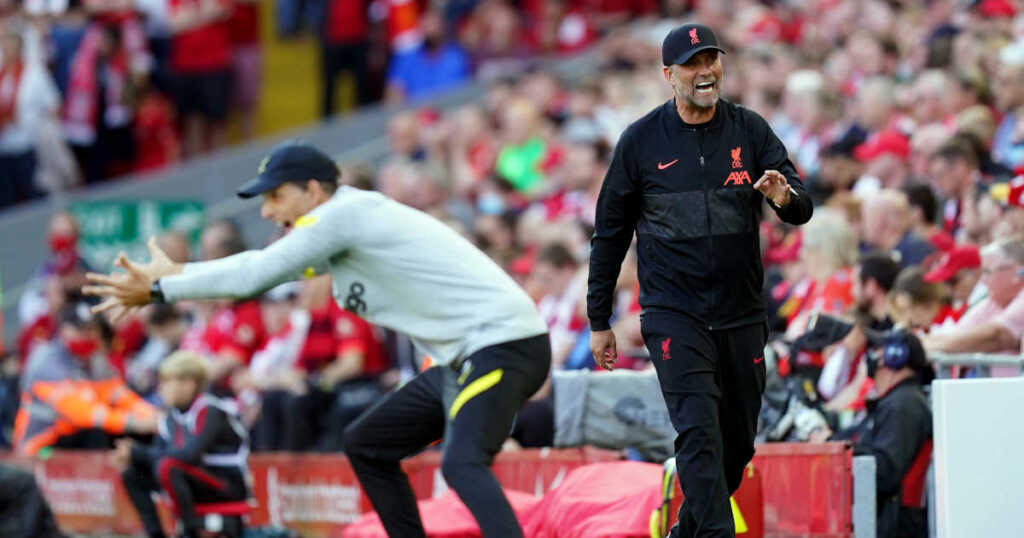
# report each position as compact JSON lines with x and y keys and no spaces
{"x":667,"y":71}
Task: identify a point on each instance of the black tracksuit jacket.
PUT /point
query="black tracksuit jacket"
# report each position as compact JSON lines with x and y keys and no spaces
{"x":687,"y":191}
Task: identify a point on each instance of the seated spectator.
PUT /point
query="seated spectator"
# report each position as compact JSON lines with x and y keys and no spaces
{"x":898,"y":432}
{"x":318,"y":371}
{"x":874,"y":276}
{"x":273,"y":376}
{"x":231,"y":330}
{"x":71,"y":397}
{"x":437,"y":65}
{"x":27,"y":97}
{"x":342,"y":359}
{"x":912,"y":305}
{"x":827,"y":255}
{"x":525,"y":157}
{"x":1009,"y":97}
{"x":44,"y":328}
{"x":555,"y":274}
{"x":885,"y":156}
{"x":960,"y":269}
{"x":887,"y":226}
{"x":955,"y":173}
{"x":65,"y":265}
{"x":915,"y":302}
{"x":166,"y":327}
{"x":924,"y":215}
{"x":994,"y":324}
{"x":199,"y":456}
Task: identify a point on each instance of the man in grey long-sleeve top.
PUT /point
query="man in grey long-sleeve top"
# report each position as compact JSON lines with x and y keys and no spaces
{"x":402,"y":269}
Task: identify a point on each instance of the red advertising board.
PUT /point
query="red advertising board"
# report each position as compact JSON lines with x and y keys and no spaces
{"x":807,"y":489}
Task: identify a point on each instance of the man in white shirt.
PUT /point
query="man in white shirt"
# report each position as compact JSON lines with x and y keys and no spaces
{"x":398,"y":268}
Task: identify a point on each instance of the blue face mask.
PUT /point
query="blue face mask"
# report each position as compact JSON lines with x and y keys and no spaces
{"x":490,"y":203}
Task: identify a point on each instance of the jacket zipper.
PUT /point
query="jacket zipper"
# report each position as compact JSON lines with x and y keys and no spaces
{"x":707,"y":213}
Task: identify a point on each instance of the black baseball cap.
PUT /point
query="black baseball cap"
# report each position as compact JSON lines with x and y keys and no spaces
{"x":292,"y":160}
{"x":683,"y":42}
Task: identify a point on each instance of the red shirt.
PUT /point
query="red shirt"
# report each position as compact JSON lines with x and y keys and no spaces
{"x":202,"y":49}
{"x":333,"y":332}
{"x":42,"y":330}
{"x":128,"y":340}
{"x":245,"y":23}
{"x":236,"y":330}
{"x":346,"y":21}
{"x":156,"y":140}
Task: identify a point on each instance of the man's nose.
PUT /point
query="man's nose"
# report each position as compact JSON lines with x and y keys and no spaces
{"x":265,"y":211}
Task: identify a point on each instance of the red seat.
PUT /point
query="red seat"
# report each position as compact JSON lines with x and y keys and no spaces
{"x":231,"y":508}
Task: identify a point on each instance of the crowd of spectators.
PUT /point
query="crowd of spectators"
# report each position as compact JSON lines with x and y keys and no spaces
{"x":905,"y":119}
{"x":92,"y":89}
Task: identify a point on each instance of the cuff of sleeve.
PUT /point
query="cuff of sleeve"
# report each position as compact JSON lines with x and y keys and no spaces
{"x":599,"y":325}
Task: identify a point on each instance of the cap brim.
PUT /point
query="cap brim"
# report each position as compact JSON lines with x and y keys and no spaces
{"x":940,"y":274}
{"x":685,"y":57}
{"x":255,"y":187}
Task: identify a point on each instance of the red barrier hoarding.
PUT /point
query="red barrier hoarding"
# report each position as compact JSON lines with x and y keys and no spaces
{"x":807,"y":488}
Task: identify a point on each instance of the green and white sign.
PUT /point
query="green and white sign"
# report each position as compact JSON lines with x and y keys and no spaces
{"x":111,"y":226}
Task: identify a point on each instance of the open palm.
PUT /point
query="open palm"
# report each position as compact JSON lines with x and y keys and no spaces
{"x":124,"y":292}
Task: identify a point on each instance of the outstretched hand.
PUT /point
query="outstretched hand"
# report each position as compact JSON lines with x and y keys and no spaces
{"x":125,"y":292}
{"x":773,"y":185}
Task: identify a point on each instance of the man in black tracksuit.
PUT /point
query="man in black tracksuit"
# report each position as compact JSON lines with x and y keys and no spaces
{"x":690,"y":179}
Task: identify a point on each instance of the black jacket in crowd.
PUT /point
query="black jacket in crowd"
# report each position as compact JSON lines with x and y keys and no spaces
{"x":687,"y":191}
{"x":898,"y":433}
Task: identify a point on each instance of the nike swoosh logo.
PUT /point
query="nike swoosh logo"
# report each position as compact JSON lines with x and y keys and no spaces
{"x":666,"y":165}
{"x":759,"y":360}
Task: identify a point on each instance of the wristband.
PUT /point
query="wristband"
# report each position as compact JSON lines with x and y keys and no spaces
{"x":156,"y":293}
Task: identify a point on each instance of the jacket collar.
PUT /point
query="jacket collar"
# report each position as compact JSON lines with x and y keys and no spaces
{"x":677,"y":122}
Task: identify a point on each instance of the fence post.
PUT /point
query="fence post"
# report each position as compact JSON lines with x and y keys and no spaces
{"x":864,"y":518}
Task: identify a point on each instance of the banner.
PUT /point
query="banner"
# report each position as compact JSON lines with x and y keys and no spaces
{"x":111,"y":226}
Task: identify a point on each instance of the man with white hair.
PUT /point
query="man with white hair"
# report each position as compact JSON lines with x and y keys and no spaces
{"x":996,"y":323}
{"x":886,"y":227}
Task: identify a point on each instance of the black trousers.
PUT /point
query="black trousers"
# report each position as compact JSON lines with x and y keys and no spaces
{"x":186,"y":485}
{"x":474,"y":409}
{"x":335,"y":58}
{"x":712,"y":381}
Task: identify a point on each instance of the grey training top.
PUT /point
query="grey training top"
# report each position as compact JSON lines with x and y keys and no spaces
{"x":395,"y":266}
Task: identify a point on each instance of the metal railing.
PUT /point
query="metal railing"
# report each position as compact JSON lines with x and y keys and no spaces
{"x":981,"y":362}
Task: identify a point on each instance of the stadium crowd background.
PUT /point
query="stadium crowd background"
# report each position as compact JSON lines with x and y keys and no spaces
{"x":905,"y":119}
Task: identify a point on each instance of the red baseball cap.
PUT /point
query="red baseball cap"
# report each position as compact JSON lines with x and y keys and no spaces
{"x":996,"y":8}
{"x":961,"y":257}
{"x":881,"y":143}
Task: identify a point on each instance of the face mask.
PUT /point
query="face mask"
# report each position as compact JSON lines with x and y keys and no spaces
{"x":490,"y":204}
{"x":83,"y":348}
{"x":62,"y":243}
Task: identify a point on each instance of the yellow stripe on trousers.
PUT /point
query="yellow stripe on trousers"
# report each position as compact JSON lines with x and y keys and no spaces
{"x":479,"y":385}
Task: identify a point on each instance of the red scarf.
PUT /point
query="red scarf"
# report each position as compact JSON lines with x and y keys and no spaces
{"x":10,"y":82}
{"x":80,"y":110}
